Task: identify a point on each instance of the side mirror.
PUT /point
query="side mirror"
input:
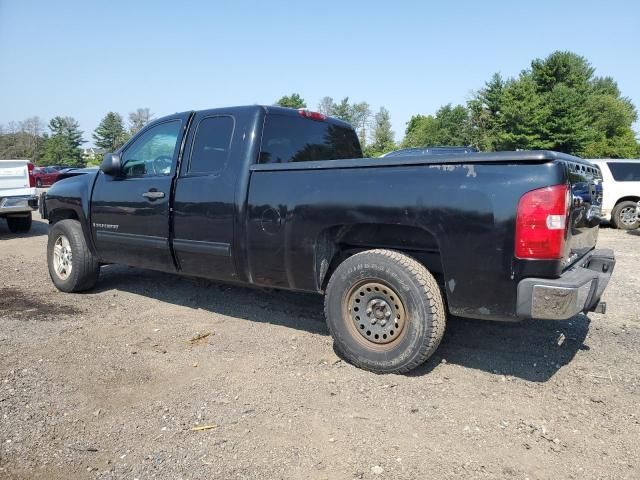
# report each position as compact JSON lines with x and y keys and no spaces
{"x":111,"y":164}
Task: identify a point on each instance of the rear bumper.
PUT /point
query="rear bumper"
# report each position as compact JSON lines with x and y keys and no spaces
{"x":577,"y":290}
{"x":18,"y":204}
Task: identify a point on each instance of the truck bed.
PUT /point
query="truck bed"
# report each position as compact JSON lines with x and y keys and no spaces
{"x":455,"y":213}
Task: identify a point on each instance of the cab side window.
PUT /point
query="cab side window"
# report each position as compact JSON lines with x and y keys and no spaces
{"x":151,"y":154}
{"x":211,"y":145}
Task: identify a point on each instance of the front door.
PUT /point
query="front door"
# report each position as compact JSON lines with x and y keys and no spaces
{"x":130,"y":212}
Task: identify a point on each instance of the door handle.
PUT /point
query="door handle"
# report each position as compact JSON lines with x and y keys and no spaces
{"x":153,"y":195}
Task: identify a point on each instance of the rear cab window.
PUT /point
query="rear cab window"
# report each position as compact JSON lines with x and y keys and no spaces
{"x":625,"y":171}
{"x":211,"y":145}
{"x":289,"y":138}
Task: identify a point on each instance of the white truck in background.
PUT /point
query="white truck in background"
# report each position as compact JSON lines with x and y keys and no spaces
{"x":18,"y":196}
{"x":621,"y":186}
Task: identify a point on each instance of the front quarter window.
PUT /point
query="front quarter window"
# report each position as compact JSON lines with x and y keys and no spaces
{"x":153,"y":153}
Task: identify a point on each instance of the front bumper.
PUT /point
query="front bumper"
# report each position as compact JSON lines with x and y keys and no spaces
{"x":577,"y":290}
{"x":19,"y":204}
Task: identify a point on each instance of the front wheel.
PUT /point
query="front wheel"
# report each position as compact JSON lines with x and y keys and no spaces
{"x":72,"y":266}
{"x":385,"y":311}
{"x":624,"y":217}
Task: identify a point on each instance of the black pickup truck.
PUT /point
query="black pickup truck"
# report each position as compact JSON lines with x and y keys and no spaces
{"x":281,"y":198}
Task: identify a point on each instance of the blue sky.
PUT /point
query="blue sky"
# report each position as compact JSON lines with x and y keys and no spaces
{"x":84,"y":58}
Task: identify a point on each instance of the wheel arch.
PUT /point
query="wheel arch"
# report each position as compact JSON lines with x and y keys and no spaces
{"x":628,"y":198}
{"x":339,"y":242}
{"x":67,"y":213}
{"x":62,"y":214}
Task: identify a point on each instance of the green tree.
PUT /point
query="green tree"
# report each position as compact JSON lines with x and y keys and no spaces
{"x":449,"y":126}
{"x":484,"y":114}
{"x":566,"y":68}
{"x":63,"y":146}
{"x":567,"y":122}
{"x":382,"y":136}
{"x":610,"y":126}
{"x":523,"y":115}
{"x":343,"y":111}
{"x":110,"y":133}
{"x":556,"y":104}
{"x":292,"y":101}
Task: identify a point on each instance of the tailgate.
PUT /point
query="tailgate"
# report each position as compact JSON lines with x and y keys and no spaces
{"x":14,"y":178}
{"x":586,"y":202}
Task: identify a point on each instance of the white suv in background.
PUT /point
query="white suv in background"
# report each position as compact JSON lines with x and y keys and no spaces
{"x":621,"y":187}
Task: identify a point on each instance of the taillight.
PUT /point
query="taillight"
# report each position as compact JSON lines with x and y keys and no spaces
{"x":312,"y":115}
{"x":32,"y":179}
{"x":541,"y":223}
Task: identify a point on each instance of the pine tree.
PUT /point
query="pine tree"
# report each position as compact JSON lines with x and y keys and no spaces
{"x":343,"y":111}
{"x":63,"y":146}
{"x":110,"y":133}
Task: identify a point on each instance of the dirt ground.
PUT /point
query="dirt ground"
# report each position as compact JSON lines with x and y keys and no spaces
{"x":109,"y":385}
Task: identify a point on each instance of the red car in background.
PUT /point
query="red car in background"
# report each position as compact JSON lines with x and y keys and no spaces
{"x":46,"y":176}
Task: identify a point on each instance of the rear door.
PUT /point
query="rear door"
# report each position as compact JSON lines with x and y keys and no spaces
{"x":204,"y":208}
{"x":130,"y":212}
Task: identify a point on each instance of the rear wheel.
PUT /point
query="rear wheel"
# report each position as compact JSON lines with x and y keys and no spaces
{"x":385,"y":311}
{"x":624,"y":216}
{"x":19,"y":224}
{"x":38,"y":183}
{"x":72,"y":266}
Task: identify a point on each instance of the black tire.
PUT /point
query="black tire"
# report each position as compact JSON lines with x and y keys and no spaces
{"x":84,"y":267}
{"x":618,"y":216}
{"x":20,"y":224}
{"x":395,"y":276}
{"x":38,"y":183}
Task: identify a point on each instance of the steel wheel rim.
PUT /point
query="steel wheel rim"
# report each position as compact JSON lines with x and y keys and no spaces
{"x":628,"y":215}
{"x":62,"y":257}
{"x":376,"y":312}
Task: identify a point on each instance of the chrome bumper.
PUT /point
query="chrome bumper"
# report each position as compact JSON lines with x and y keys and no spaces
{"x":21,"y":204}
{"x":577,"y":290}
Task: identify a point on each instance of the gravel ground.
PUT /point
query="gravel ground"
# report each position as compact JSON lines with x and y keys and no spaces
{"x":110,"y":384}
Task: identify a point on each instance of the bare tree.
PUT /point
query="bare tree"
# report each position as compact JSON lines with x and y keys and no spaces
{"x":361,"y":118}
{"x":138,"y":119}
{"x":33,"y":129}
{"x":326,"y":106}
{"x":13,"y":127}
